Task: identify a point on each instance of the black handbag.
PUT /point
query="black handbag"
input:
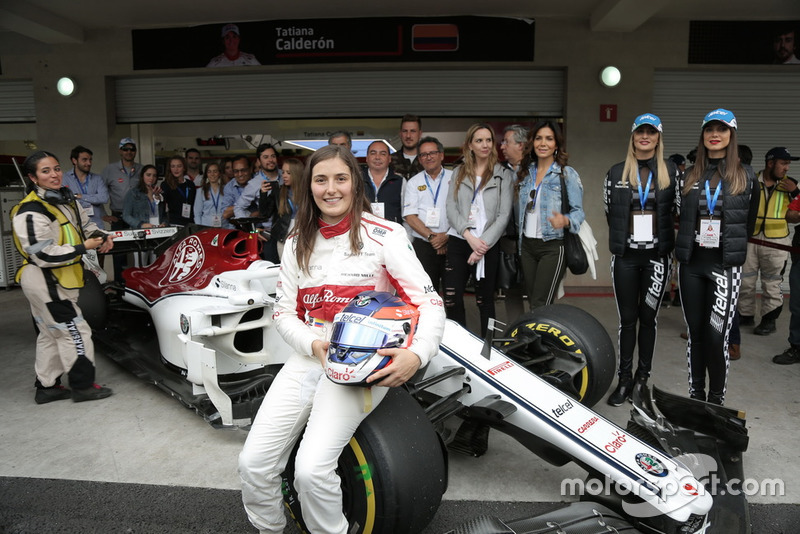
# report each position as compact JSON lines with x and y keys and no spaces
{"x":508,"y":272}
{"x":577,"y":262}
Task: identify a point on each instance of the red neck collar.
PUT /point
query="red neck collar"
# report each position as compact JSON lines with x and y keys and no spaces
{"x":331,"y":230}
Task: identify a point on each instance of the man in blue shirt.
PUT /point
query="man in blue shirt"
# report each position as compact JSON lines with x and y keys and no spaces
{"x":88,"y":187}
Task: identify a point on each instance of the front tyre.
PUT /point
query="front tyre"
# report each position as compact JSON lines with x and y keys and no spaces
{"x":393,"y":471}
{"x":588,"y":373}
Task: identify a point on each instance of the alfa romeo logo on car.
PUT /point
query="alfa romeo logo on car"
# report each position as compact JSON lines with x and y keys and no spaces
{"x":187,"y":261}
{"x":651,"y":465}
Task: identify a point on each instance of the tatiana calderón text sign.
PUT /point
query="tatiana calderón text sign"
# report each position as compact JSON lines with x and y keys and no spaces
{"x":484,"y":39}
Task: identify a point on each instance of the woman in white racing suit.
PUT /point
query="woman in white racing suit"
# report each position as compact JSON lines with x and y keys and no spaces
{"x":336,"y":250}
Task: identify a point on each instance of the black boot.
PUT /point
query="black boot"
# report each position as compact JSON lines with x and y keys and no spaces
{"x":767,"y":325}
{"x":697,"y":392}
{"x":765,"y":328}
{"x":716,"y":398}
{"x":622,"y":393}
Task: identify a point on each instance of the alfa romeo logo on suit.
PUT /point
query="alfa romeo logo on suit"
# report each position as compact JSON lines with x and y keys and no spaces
{"x":187,"y":261}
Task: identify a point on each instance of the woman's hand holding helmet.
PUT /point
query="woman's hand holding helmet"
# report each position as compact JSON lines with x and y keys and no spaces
{"x":404,"y":364}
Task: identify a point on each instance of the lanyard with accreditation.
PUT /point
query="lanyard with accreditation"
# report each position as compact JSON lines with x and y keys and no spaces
{"x":432,"y":216}
{"x":710,"y":228}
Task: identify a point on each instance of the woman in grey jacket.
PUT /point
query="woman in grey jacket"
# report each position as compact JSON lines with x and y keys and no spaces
{"x":478,"y":210}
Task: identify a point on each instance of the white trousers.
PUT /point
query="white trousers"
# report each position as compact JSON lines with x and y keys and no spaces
{"x":302,"y":397}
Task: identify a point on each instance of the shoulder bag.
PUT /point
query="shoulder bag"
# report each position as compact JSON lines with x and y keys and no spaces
{"x":573,"y":249}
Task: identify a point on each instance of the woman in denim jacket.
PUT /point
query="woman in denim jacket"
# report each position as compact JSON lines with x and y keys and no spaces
{"x":538,"y":210}
{"x":478,"y":210}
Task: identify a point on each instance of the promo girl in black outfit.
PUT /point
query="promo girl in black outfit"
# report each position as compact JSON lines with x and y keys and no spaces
{"x":640,"y":209}
{"x":717,"y":213}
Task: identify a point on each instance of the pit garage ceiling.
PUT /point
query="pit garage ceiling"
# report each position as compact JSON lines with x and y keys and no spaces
{"x":68,"y":21}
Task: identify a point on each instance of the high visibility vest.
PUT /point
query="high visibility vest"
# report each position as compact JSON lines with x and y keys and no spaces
{"x":771,"y":213}
{"x":70,"y":275}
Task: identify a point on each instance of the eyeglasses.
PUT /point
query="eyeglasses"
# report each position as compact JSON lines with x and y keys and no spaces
{"x":128,"y":149}
{"x":426,"y":155}
{"x":532,"y":203}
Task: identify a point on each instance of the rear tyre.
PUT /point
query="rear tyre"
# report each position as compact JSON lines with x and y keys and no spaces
{"x":573,"y":330}
{"x":393,"y":471}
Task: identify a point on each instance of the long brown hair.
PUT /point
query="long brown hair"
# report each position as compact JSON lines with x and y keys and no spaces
{"x":308,"y":213}
{"x":730,"y":170}
{"x":560,"y":156}
{"x":467,"y":169}
{"x":170,"y":180}
{"x":296,"y":168}
{"x":207,"y":184}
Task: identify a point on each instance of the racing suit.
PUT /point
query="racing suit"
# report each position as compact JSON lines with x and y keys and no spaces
{"x":301,"y":396}
{"x":48,"y":237}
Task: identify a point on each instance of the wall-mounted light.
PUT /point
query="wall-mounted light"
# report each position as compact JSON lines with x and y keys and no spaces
{"x":610,"y":76}
{"x":66,"y":86}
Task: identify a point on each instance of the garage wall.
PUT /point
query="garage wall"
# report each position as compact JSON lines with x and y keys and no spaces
{"x":565,"y":46}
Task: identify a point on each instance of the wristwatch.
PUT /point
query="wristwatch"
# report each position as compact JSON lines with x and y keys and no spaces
{"x":430,"y":237}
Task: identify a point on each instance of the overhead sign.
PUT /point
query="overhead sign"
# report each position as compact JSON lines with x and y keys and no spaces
{"x":406,"y":39}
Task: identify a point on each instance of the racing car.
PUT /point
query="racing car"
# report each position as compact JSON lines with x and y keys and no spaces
{"x":197,"y":322}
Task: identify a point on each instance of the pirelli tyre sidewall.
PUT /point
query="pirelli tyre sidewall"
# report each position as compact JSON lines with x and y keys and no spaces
{"x":573,"y":329}
{"x":393,"y":471}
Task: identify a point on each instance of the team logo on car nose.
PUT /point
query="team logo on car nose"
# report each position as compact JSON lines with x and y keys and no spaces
{"x":187,"y":261}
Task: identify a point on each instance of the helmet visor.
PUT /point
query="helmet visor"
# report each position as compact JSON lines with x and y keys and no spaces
{"x":355,"y":336}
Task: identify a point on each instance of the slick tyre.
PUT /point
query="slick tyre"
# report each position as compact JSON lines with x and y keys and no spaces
{"x":393,"y":471}
{"x":572,"y":330}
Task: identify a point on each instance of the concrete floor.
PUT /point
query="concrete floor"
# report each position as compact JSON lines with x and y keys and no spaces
{"x":141,"y":435}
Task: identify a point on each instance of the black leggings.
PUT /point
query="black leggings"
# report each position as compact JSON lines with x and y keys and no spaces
{"x":709,"y":292}
{"x":457,"y":273}
{"x":640,"y":278}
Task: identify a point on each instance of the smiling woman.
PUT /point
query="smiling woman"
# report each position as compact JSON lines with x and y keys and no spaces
{"x":717,"y":213}
{"x":338,"y":250}
{"x":639,"y":196}
{"x":478,"y":210}
{"x":52,"y":232}
{"x":540,"y":219}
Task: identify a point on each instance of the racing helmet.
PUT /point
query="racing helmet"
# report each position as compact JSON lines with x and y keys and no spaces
{"x":372,"y":320}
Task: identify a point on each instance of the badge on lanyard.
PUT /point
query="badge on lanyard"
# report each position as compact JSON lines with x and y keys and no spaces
{"x":186,"y":210}
{"x":377,"y":209}
{"x":432,"y":218}
{"x":710,"y":229}
{"x":643,"y":222}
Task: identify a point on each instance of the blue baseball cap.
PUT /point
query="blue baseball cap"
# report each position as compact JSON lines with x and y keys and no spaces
{"x":647,"y":118}
{"x":126,"y":141}
{"x":722,"y":115}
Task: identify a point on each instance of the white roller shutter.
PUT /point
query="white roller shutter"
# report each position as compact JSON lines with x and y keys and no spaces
{"x":16,"y":101}
{"x":766,"y":106}
{"x":242,"y":96}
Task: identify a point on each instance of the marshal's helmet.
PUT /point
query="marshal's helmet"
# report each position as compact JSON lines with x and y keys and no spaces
{"x":372,"y":320}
